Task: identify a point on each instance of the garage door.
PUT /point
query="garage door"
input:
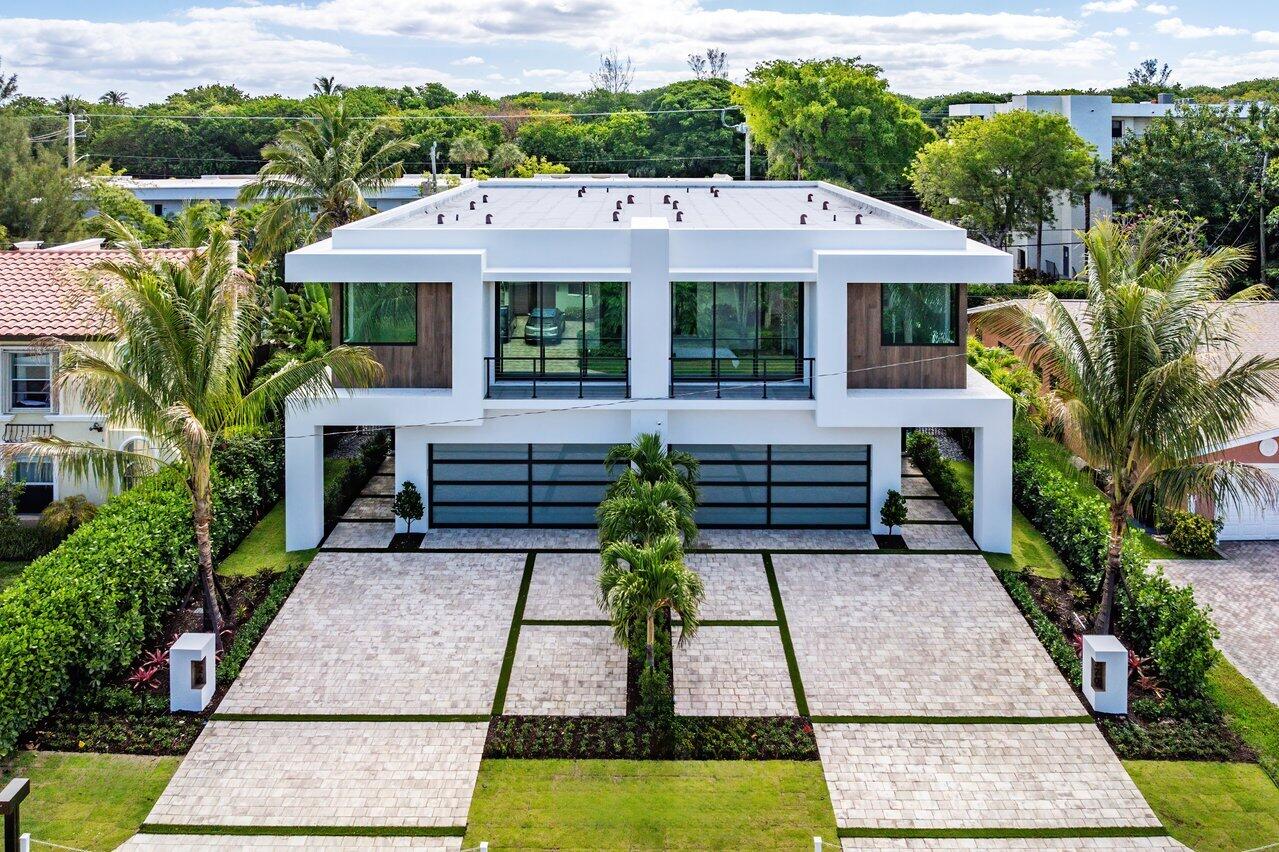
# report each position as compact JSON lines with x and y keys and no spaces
{"x":783,"y":485}
{"x":516,"y":485}
{"x":1252,"y":521}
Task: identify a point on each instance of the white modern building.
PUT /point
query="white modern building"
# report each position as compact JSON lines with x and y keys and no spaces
{"x":783,"y":332}
{"x":167,"y":196}
{"x":1100,"y":122}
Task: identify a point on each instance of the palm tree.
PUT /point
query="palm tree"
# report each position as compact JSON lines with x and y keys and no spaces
{"x":638,"y":581}
{"x":8,"y":87}
{"x":468,"y":149}
{"x":638,"y":511}
{"x":507,"y":157}
{"x":180,"y":370}
{"x":114,"y":98}
{"x":1148,"y":380}
{"x":67,"y":103}
{"x":327,"y":86}
{"x":323,"y":169}
{"x":653,"y":462}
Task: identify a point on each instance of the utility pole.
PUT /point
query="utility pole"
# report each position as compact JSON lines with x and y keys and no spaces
{"x":71,"y":139}
{"x":748,"y":150}
{"x":745,"y":130}
{"x":434,"y":186}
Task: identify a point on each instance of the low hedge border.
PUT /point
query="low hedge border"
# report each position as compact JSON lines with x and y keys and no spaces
{"x":633,"y":738}
{"x":1048,"y":633}
{"x":922,"y":449}
{"x":339,"y":494}
{"x":251,"y":631}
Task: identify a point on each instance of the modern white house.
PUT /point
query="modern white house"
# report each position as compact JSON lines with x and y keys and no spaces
{"x":167,"y":196}
{"x":782,"y":332}
{"x":1099,"y":121}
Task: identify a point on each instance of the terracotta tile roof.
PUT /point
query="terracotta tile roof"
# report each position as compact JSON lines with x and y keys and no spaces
{"x":38,"y":290}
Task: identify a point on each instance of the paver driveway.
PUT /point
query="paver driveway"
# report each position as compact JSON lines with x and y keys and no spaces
{"x":1243,"y":591}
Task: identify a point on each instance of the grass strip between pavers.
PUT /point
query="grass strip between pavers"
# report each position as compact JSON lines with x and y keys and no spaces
{"x":350,"y":717}
{"x":566,"y":622}
{"x":1009,"y":833}
{"x":304,"y":830}
{"x":797,"y":685}
{"x":737,"y":622}
{"x":513,"y":637}
{"x":953,"y":720}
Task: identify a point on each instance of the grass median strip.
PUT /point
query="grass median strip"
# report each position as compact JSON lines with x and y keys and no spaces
{"x":513,"y":637}
{"x":953,"y":720}
{"x":304,"y":830}
{"x":565,"y":622}
{"x":1003,"y":833}
{"x":792,"y":664}
{"x":350,"y":717}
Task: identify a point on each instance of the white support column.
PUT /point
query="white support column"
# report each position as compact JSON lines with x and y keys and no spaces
{"x":829,"y":317}
{"x":303,"y":484}
{"x":885,"y":472}
{"x":993,"y":485}
{"x":410,"y":466}
{"x":649,"y":300}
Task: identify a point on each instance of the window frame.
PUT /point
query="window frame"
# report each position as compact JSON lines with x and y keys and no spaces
{"x":11,"y":381}
{"x":954,"y":313}
{"x":502,"y":373}
{"x":342,"y":328}
{"x":714,"y":372}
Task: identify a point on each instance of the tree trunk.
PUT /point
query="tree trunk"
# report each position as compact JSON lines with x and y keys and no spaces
{"x":651,"y":638}
{"x":1039,"y":246}
{"x":1114,"y":559}
{"x":213,"y":618}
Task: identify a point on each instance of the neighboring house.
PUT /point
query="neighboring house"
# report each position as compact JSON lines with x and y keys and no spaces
{"x":37,"y":301}
{"x":1100,"y":122}
{"x":167,"y":196}
{"x":1257,"y":328}
{"x":783,"y":332}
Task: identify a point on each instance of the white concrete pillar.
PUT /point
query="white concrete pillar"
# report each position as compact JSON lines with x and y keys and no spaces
{"x":993,"y":485}
{"x":471,"y":332}
{"x":830,"y":320}
{"x":303,"y":484}
{"x":649,"y":308}
{"x":411,"y":466}
{"x":885,"y":472}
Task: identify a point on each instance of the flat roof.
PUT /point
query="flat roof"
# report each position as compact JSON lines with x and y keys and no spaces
{"x":705,"y":204}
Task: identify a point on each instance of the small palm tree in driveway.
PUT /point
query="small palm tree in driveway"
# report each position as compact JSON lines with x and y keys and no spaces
{"x":638,"y":511}
{"x":638,"y":581}
{"x":1148,"y":380}
{"x":653,"y":462}
{"x":180,"y":370}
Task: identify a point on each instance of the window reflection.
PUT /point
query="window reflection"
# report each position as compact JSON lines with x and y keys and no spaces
{"x":737,"y":328}
{"x":564,"y":329}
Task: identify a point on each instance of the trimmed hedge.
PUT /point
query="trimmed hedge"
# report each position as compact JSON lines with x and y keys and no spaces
{"x":633,"y":738}
{"x":1048,"y":633}
{"x":252,"y":630}
{"x":85,"y":610}
{"x":22,"y":543}
{"x":923,"y":451}
{"x":339,"y":494}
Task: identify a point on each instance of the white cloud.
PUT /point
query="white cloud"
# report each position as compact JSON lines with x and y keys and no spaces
{"x":468,"y":60}
{"x":1218,"y":67}
{"x":1112,"y":6}
{"x":1178,"y":28}
{"x":1160,"y":8}
{"x":1266,"y":36}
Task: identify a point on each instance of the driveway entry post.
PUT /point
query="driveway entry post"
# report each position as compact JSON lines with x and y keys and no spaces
{"x":10,"y":799}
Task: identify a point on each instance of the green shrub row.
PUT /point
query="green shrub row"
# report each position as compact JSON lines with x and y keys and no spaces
{"x":1049,"y":634}
{"x":339,"y":493}
{"x":84,"y":610}
{"x":22,"y":543}
{"x":633,"y":738}
{"x":248,"y":633}
{"x":923,"y":451}
{"x":980,"y":294}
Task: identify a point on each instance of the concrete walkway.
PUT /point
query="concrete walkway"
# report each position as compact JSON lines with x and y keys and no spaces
{"x":1243,"y":591}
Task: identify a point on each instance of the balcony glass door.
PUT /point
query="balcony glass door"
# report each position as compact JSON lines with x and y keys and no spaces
{"x":565,"y":329}
{"x":740,"y":330}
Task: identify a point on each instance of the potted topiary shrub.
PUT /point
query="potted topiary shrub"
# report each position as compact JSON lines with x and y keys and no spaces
{"x":892,"y":515}
{"x":408,"y":507}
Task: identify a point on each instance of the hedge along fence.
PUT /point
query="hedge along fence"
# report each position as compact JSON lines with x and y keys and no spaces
{"x":82,"y":612}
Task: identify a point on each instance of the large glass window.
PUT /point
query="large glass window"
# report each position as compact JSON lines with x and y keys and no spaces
{"x":561,"y":329}
{"x":737,"y":328}
{"x":379,"y":313}
{"x":920,"y":314}
{"x":30,"y":380}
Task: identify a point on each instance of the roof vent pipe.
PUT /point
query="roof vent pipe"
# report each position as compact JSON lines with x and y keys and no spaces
{"x":857,"y":220}
{"x":630,"y":199}
{"x":484,"y":199}
{"x":803,"y":218}
{"x":488,"y":218}
{"x":666,"y":199}
{"x":581,"y":192}
{"x":439,"y":220}
{"x":617,"y":216}
{"x":619,"y":204}
{"x":825,"y":205}
{"x":810,"y":197}
{"x":472,"y":205}
{"x":679,"y":215}
{"x":674,"y":205}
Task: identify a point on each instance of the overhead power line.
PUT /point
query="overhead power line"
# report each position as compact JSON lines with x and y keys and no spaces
{"x":389,"y":116}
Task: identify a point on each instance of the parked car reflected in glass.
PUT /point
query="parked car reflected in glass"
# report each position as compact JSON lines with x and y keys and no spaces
{"x":545,"y":325}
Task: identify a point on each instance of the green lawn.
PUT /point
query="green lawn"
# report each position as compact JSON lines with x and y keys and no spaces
{"x":1251,"y":714}
{"x":1211,"y":806}
{"x":263,"y":548}
{"x":89,"y":801}
{"x":1031,"y":551}
{"x":9,"y":572}
{"x":626,"y":804}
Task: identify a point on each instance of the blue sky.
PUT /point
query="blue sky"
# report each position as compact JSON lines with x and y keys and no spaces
{"x":149,"y":48}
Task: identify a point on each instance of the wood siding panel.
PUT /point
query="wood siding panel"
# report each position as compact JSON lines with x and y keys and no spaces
{"x":932,"y":367}
{"x":429,"y":364}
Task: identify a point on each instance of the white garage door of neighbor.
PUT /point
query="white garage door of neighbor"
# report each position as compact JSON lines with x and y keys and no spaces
{"x":1252,"y":521}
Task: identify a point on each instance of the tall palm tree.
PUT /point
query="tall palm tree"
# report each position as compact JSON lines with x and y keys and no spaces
{"x":1148,"y":380}
{"x":649,"y":457}
{"x":323,"y":169}
{"x":638,"y":511}
{"x":327,"y":86}
{"x":114,"y":98}
{"x":638,"y":581}
{"x":469,"y":150}
{"x":181,"y":370}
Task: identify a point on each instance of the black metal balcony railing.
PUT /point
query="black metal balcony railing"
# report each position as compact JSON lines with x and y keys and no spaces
{"x":557,"y":377}
{"x":745,"y":377}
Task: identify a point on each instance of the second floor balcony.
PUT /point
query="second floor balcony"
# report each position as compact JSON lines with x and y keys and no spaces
{"x":703,"y":372}
{"x":557,"y":377}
